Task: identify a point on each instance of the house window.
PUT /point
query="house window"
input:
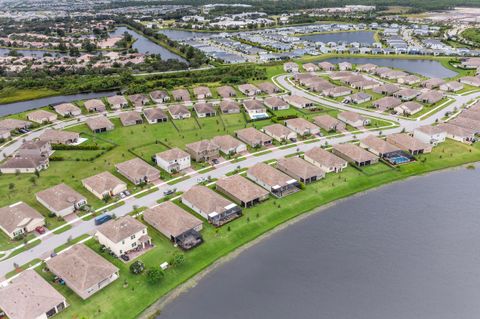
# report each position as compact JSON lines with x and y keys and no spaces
{"x":123,"y":242}
{"x":134,"y":244}
{"x":132,"y":237}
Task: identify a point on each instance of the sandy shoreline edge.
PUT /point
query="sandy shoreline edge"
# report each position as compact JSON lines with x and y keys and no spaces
{"x":154,"y":309}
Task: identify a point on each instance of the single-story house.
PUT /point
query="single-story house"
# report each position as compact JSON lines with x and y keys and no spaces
{"x":204,"y":110}
{"x":117,"y":102}
{"x":344,"y":66}
{"x":408,"y":80}
{"x":328,"y":123}
{"x":4,"y":134}
{"x":139,"y":100}
{"x":290,"y":67}
{"x":302,"y":126}
{"x":275,"y":103}
{"x":326,"y":66}
{"x":131,"y":118}
{"x":84,"y":271}
{"x":181,"y":95}
{"x":229,"y":145}
{"x":212,"y":206}
{"x":430,"y":134}
{"x":279,"y":132}
{"x":298,"y":101}
{"x":104,"y":184}
{"x":19,"y":218}
{"x":137,"y":171}
{"x":14,"y":124}
{"x":387,"y":103}
{"x":179,"y":226}
{"x":61,"y":199}
{"x":254,"y":106}
{"x":430,"y":97}
{"x":471,"y":80}
{"x":353,"y":119}
{"x":41,"y":116}
{"x":386,"y":89}
{"x":99,"y":124}
{"x":358,"y":98}
{"x":202,"y":92}
{"x":452,"y":86}
{"x":458,"y":133}
{"x":24,"y":164}
{"x":123,"y":235}
{"x":202,"y":151}
{"x":467,"y":123}
{"x":229,"y":107}
{"x":226,"y":91}
{"x":268,"y":87}
{"x":406,"y":94}
{"x":249,"y":89}
{"x":337,"y":91}
{"x":300,"y":169}
{"x":173,"y":160}
{"x":253,"y":137}
{"x":354,"y":154}
{"x":409,"y":144}
{"x":159,"y":96}
{"x":325,"y":160}
{"x":378,"y":146}
{"x":310,"y":67}
{"x":95,"y":105}
{"x":432,"y":83}
{"x":241,"y":190}
{"x":365,"y":85}
{"x":59,"y":137}
{"x":408,"y":108}
{"x":155,"y":115}
{"x":29,"y":296}
{"x":179,"y":112}
{"x":67,"y":109}
{"x":276,"y":182}
{"x":368,"y":67}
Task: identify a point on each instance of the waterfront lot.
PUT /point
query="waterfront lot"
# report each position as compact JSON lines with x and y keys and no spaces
{"x":115,"y":301}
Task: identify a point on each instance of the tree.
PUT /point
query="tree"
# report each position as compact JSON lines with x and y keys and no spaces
{"x":155,"y":275}
{"x":137,"y":267}
{"x":178,"y":259}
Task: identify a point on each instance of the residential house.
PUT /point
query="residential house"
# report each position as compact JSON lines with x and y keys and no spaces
{"x":179,"y":226}
{"x":202,"y":92}
{"x":386,"y":89}
{"x":276,"y":182}
{"x":67,"y":109}
{"x":62,"y":200}
{"x":358,"y":98}
{"x":302,"y":126}
{"x":406,"y":94}
{"x":275,"y":103}
{"x":99,"y":124}
{"x":354,"y":154}
{"x":249,"y":89}
{"x":280,"y":133}
{"x":337,"y":91}
{"x":203,"y":151}
{"x":409,"y":80}
{"x":173,"y":160}
{"x":368,"y":67}
{"x":325,"y":160}
{"x":158,"y":96}
{"x":310,"y":67}
{"x":300,"y":169}
{"x":254,"y":106}
{"x":408,"y":108}
{"x":104,"y":185}
{"x":59,"y":137}
{"x":430,"y":97}
{"x":215,"y":208}
{"x":299,"y":101}
{"x":432,"y":83}
{"x":409,"y":144}
{"x":242,"y":191}
{"x":353,"y":119}
{"x":35,"y":148}
{"x":29,"y":296}
{"x":326,"y":66}
{"x":253,"y":137}
{"x":328,"y":123}
{"x":229,"y":107}
{"x":226,"y":91}
{"x":14,"y":124}
{"x":19,"y":219}
{"x":137,"y":171}
{"x":378,"y":146}
{"x":131,"y":118}
{"x":471,"y":80}
{"x":41,"y":116}
{"x":268,"y":88}
{"x":290,"y":67}
{"x":181,"y":95}
{"x":458,"y":133}
{"x":95,"y":105}
{"x":204,"y":110}
{"x":139,"y":100}
{"x":344,"y":66}
{"x":387,"y":103}
{"x":229,"y":145}
{"x":179,"y":112}
{"x":155,"y":115}
{"x":117,"y":102}
{"x":365,"y":85}
{"x":24,"y":164}
{"x":83,"y":270}
{"x":467,"y":123}
{"x":452,"y":86}
{"x":123,"y":235}
{"x":430,"y":134}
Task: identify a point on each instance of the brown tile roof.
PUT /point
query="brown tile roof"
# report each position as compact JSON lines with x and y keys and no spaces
{"x":60,"y":196}
{"x":229,"y":106}
{"x":173,"y":154}
{"x":225,"y":142}
{"x":81,"y":267}
{"x":99,"y":122}
{"x":58,"y":137}
{"x":326,"y":121}
{"x":94,"y":104}
{"x":103,"y":182}
{"x":277,"y":130}
{"x":181,"y":94}
{"x":137,"y":169}
{"x":17,"y":215}
{"x":13,"y":124}
{"x":301,"y":124}
{"x":116,"y":100}
{"x":24,"y":162}
{"x":40,"y":116}
{"x":268,"y":87}
{"x":66,"y":108}
{"x":178,"y":109}
{"x":269,"y":175}
{"x":387,"y":102}
{"x":251,"y":105}
{"x":170,"y":219}
{"x":226,"y":91}
{"x":241,"y":188}
{"x":406,"y":141}
{"x":378,"y":144}
{"x":202,"y":146}
{"x":129,"y":118}
{"x":275,"y":101}
{"x":157,"y":94}
{"x":324,"y":157}
{"x":252,"y":136}
{"x":28,"y":296}
{"x":206,"y":199}
{"x":299,"y":167}
{"x":201,"y":90}
{"x":354,"y":152}
{"x":154,"y":114}
{"x":204,"y":108}
{"x":121,"y":228}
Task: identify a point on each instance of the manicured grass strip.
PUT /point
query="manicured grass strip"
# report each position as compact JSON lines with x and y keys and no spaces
{"x":63,"y":229}
{"x":22,"y":268}
{"x":150,"y":191}
{"x":181,"y":179}
{"x":71,"y":243}
{"x":25,"y":248}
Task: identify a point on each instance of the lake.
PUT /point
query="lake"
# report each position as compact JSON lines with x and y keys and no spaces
{"x":19,"y":107}
{"x":407,"y":250}
{"x":428,"y":68}
{"x":364,"y":37}
{"x":180,"y":35}
{"x":144,"y":45}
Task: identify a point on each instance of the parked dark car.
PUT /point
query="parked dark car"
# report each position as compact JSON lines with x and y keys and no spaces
{"x":102,"y":219}
{"x":125,"y":257}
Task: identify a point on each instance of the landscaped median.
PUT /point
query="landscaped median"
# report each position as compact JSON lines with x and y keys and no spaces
{"x":128,"y":296}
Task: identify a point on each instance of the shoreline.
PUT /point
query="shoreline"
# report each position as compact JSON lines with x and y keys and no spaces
{"x":154,"y":310}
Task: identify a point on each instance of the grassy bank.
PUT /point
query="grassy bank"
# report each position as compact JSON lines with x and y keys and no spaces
{"x":115,"y":301}
{"x":18,"y":95}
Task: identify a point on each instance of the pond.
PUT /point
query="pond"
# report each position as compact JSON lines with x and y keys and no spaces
{"x":363,"y":37}
{"x":407,"y":250}
{"x":144,"y":45}
{"x":428,"y":68}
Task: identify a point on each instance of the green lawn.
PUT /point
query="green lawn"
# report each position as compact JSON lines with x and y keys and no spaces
{"x":116,"y":301}
{"x":9,"y":95}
